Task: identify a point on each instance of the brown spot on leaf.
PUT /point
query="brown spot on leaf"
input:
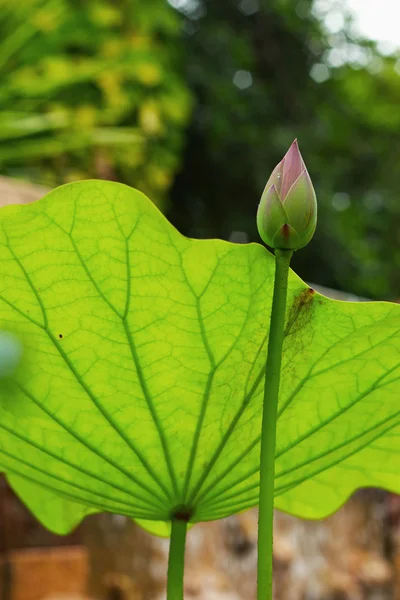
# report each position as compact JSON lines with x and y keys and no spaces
{"x":300,"y":312}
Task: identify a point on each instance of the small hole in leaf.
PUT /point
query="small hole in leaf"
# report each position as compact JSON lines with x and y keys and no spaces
{"x":60,"y":335}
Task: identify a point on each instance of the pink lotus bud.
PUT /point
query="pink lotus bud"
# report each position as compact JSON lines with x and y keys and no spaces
{"x":287,"y":213}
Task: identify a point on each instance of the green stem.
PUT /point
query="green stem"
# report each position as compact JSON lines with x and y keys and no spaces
{"x":176,"y":560}
{"x":268,"y":432}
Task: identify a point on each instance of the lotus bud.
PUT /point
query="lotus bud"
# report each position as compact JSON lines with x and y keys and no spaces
{"x":287,"y":213}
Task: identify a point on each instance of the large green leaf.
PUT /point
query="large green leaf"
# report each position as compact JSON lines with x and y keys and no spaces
{"x":139,"y":390}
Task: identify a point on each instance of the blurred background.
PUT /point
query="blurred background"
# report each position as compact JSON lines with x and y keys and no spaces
{"x":194,"y":102}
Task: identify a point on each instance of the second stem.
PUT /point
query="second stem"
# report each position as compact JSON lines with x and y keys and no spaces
{"x":268,"y":433}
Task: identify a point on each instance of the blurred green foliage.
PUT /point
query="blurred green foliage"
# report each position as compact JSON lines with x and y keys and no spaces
{"x":91,"y":88}
{"x":264,"y":72}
